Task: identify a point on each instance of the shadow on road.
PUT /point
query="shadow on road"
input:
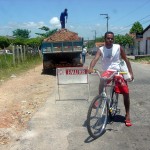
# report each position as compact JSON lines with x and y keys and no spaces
{"x":118,"y":118}
{"x":49,"y":72}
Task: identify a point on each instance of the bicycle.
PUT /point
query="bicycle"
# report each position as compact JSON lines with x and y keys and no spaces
{"x":97,"y":117}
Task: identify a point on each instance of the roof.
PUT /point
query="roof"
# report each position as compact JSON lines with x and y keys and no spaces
{"x":146,"y":29}
{"x":98,"y":44}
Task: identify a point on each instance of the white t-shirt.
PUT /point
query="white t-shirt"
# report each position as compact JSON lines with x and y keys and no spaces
{"x":110,"y":57}
{"x":84,"y":51}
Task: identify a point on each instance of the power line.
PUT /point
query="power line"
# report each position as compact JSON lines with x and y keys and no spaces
{"x":134,"y":22}
{"x":146,"y":22}
{"x":131,"y":12}
{"x":144,"y":17}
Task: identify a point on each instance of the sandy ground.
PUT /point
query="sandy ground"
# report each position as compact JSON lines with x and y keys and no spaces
{"x":20,"y":97}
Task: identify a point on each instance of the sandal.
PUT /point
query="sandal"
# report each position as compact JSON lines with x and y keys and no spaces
{"x":128,"y":123}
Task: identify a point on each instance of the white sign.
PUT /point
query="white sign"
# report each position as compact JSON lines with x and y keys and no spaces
{"x":71,"y":75}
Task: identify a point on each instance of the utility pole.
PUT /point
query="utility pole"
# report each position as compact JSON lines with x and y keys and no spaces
{"x":94,"y":34}
{"x":107,"y":17}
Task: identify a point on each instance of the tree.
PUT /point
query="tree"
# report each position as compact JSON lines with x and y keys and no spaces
{"x":136,"y":28}
{"x":34,"y":42}
{"x":45,"y":28}
{"x":4,"y":42}
{"x":47,"y":33}
{"x":100,"y":39}
{"x":18,"y":41}
{"x":124,"y":40}
{"x":21,"y":33}
{"x":129,"y":40}
{"x":119,"y":39}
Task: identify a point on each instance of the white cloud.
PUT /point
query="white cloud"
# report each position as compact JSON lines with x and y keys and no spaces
{"x":55,"y":22}
{"x":33,"y":24}
{"x":25,"y":25}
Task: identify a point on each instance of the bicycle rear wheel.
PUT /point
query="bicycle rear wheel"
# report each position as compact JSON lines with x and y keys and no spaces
{"x":113,"y":109}
{"x":97,"y":117}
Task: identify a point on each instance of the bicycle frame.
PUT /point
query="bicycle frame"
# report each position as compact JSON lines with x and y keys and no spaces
{"x":111,"y":84}
{"x":98,"y":115}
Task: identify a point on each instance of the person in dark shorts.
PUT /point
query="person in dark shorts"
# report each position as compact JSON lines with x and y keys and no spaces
{"x":63,"y":18}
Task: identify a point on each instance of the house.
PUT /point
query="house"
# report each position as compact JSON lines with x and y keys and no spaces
{"x":144,"y":43}
{"x":99,"y":44}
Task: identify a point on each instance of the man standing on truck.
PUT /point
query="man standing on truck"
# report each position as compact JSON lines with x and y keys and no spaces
{"x":63,"y":18}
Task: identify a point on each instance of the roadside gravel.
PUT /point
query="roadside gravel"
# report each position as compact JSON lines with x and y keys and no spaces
{"x":20,"y":97}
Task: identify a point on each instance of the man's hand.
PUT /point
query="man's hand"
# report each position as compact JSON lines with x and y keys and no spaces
{"x":90,"y":70}
{"x":132,"y":76}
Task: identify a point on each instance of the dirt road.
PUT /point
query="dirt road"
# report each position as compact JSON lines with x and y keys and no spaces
{"x":20,"y":97}
{"x":23,"y":95}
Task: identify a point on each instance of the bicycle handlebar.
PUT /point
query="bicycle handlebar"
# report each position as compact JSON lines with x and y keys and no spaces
{"x":111,"y":76}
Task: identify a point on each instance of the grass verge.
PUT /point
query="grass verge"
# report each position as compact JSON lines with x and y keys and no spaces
{"x":8,"y":69}
{"x":145,"y":60}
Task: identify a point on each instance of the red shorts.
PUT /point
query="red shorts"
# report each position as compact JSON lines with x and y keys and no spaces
{"x":121,"y":86}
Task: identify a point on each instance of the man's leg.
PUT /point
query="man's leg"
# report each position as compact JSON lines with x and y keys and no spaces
{"x":101,"y":85}
{"x":104,"y":75}
{"x":83,"y":58}
{"x":127,"y":105}
{"x":63,"y":24}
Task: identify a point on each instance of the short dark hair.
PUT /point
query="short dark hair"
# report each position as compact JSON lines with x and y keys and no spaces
{"x":108,"y":32}
{"x":66,"y":10}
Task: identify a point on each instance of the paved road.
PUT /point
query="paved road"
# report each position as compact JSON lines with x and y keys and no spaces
{"x":61,"y":125}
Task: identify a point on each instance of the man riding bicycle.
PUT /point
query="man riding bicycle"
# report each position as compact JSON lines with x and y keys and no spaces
{"x":111,"y":55}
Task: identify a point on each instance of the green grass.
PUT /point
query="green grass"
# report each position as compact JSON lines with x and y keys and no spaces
{"x":7,"y":68}
{"x":6,"y":61}
{"x":143,"y":60}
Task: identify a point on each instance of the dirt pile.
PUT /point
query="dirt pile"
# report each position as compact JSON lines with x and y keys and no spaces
{"x":63,"y":35}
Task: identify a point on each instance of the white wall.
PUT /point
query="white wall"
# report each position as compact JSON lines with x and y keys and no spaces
{"x":143,"y":42}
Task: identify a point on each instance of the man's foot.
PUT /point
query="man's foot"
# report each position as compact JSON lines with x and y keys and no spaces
{"x":128,"y":123}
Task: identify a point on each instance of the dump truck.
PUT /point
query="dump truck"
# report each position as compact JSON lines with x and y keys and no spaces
{"x":62,"y":49}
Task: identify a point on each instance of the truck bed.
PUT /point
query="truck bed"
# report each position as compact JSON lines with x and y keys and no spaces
{"x":62,"y":54}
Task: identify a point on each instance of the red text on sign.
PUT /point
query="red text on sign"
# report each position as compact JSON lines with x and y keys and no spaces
{"x":76,"y":72}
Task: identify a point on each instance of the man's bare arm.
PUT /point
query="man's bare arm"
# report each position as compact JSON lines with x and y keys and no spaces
{"x":94,"y":61}
{"x":124,"y":57}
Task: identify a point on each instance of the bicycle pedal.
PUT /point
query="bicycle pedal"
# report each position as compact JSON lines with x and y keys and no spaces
{"x":110,"y":110}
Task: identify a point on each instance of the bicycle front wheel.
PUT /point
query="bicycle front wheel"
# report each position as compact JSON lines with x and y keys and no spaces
{"x":97,"y":117}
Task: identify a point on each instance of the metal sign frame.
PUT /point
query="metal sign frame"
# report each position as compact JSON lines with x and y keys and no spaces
{"x":72,"y":75}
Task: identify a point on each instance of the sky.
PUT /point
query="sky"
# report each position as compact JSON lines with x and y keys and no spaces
{"x":84,"y":16}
